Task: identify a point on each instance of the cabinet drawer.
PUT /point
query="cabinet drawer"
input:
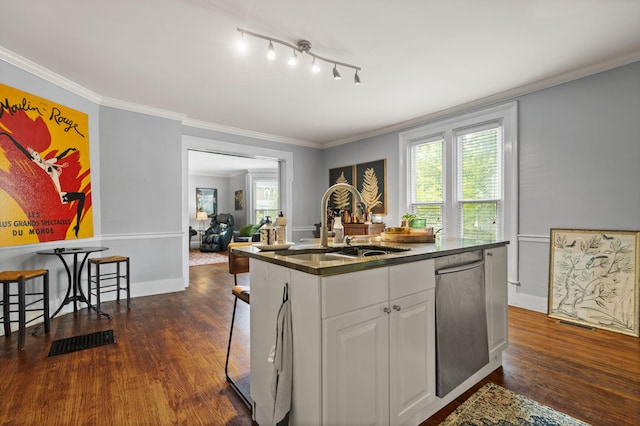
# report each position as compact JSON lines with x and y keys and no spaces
{"x":346,"y":292}
{"x":411,"y":278}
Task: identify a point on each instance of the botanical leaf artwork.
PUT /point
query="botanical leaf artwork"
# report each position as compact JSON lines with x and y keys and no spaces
{"x":370,"y":193}
{"x":594,"y":279}
{"x":342,"y":197}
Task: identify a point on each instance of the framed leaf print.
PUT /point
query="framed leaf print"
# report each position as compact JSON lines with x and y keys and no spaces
{"x":342,"y":198}
{"x":371,"y":181}
{"x":594,"y":279}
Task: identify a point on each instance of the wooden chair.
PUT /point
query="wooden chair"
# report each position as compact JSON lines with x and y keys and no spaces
{"x":238,"y":264}
{"x":21,"y":277}
{"x":112,"y":278}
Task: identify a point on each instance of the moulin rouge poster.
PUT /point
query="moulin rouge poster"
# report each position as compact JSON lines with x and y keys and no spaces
{"x":45,"y":182}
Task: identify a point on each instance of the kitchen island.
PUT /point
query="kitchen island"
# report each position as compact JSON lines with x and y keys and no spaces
{"x":365,"y":328}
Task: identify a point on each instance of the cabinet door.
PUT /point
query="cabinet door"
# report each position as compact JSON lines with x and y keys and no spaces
{"x":412,"y":355}
{"x":496,"y":294}
{"x":355,"y":368}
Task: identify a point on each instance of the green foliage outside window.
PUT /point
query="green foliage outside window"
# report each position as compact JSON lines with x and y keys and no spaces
{"x":479,"y":191}
{"x":479,"y":169}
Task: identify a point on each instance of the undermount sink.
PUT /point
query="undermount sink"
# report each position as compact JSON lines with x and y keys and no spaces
{"x":339,"y":253}
{"x":319,"y":257}
{"x":370,"y":250}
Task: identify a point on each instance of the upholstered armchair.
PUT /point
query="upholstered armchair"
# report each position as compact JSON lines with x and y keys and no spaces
{"x":218,"y":235}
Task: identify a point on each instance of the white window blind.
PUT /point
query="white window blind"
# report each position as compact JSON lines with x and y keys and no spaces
{"x":479,"y":181}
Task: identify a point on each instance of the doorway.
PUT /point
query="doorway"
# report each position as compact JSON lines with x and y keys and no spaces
{"x":234,"y":152}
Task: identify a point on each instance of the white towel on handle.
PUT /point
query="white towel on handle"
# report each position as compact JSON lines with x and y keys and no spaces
{"x":282,"y":382}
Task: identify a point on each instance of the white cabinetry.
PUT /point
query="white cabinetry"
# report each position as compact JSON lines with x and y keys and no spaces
{"x":363,"y":342}
{"x":355,"y":377}
{"x":412,"y":355}
{"x":379,"y":359}
{"x":496,"y":294}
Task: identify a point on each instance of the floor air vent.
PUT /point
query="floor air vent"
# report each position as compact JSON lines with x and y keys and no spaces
{"x":78,"y":343}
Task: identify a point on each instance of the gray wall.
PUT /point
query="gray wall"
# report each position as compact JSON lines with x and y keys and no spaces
{"x":579,"y":165}
{"x":579,"y":154}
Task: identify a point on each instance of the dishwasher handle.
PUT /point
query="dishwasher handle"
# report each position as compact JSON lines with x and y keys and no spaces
{"x":460,"y":268}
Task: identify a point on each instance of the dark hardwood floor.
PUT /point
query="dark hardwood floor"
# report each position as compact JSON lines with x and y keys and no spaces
{"x":167,"y":366}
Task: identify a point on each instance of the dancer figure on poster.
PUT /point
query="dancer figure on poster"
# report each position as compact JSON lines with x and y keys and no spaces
{"x":54,"y":171}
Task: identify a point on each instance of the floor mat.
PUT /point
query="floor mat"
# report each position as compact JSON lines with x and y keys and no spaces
{"x":196,"y":257}
{"x":78,"y":343}
{"x":495,"y":405}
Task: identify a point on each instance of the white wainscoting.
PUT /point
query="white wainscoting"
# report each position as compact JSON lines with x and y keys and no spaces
{"x":530,"y":292}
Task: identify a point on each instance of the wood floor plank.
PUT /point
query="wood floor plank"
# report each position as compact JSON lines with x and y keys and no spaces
{"x":167,"y":365}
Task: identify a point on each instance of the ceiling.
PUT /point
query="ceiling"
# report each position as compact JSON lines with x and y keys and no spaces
{"x":419,"y":58}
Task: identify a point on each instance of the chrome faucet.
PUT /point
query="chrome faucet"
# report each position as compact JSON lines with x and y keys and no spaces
{"x":324,"y":230}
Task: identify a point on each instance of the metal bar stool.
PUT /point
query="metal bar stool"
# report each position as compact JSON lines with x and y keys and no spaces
{"x":99,"y":277}
{"x":238,"y":264}
{"x":21,"y":277}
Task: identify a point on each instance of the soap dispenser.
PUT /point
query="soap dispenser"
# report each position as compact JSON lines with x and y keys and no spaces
{"x":268,"y":232}
{"x":281,"y":229}
{"x":338,"y":230}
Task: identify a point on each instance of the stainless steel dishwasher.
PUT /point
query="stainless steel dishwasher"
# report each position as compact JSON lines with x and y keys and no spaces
{"x":462,"y":346}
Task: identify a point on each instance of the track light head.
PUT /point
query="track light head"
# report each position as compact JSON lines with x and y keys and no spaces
{"x":314,"y":66}
{"x":336,"y":73}
{"x":271,"y":53}
{"x":356,"y":79}
{"x":293,"y":59}
{"x":242,"y":45}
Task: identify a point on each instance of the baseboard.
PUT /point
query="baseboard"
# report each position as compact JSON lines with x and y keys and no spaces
{"x":527,"y":301}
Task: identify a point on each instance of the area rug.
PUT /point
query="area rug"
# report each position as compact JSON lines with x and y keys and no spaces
{"x":495,"y":405}
{"x":78,"y":343}
{"x":196,"y":257}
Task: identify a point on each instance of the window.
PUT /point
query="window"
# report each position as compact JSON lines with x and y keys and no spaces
{"x":460,"y":174}
{"x":265,"y":193}
{"x":263,"y":197}
{"x":478,"y":185}
{"x":427,"y":190}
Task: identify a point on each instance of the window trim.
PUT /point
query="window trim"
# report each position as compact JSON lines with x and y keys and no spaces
{"x":507,"y":115}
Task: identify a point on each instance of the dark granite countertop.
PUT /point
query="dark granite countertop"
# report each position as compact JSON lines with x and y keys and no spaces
{"x":342,"y":265}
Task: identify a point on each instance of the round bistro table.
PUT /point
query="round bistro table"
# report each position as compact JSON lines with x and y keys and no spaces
{"x":73,"y":280}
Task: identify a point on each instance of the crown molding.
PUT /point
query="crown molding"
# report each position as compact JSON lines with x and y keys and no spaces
{"x":47,"y":75}
{"x":498,"y":97}
{"x":248,"y":133}
{"x":142,"y":109}
{"x":56,"y":79}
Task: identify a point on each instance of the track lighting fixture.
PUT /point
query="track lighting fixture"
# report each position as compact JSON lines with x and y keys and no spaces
{"x":336,"y":74}
{"x":303,"y":46}
{"x":271,"y":52}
